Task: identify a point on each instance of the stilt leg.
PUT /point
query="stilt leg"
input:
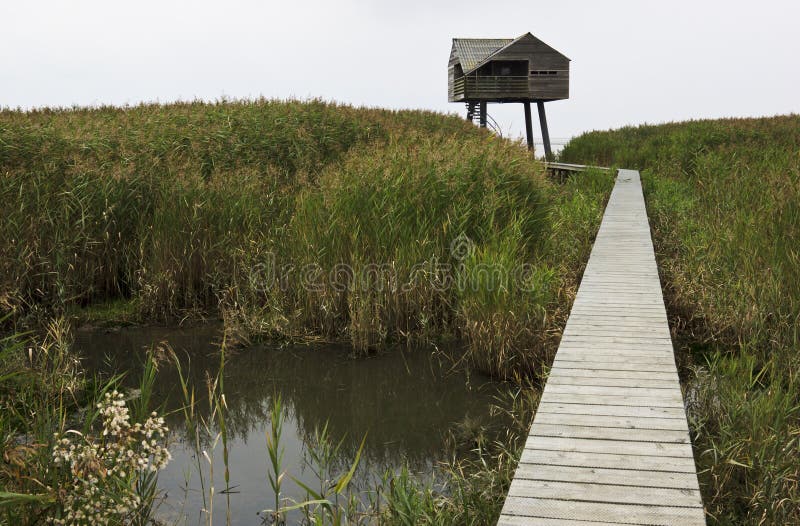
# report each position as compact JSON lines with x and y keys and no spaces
{"x":528,"y":125}
{"x":548,"y":154}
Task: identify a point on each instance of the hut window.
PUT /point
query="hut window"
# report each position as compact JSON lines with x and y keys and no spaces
{"x":506,"y":68}
{"x":544,"y":72}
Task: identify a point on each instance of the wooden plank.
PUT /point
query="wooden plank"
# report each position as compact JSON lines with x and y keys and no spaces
{"x":601,"y":492}
{"x":636,"y":326}
{"x":672,"y":393}
{"x":610,"y":433}
{"x":605,"y":347}
{"x":599,"y":303}
{"x":512,"y":520}
{"x":621,"y":308}
{"x":610,"y":410}
{"x":603,"y":512}
{"x":678,"y":424}
{"x":586,"y":364}
{"x":624,"y":335}
{"x":663,"y":348}
{"x":610,"y":382}
{"x":611,"y":400}
{"x":604,"y":373}
{"x":608,"y":460}
{"x":599,"y":355}
{"x":635,"y":295}
{"x":643,"y":357}
{"x":617,"y":447}
{"x":585,"y":310}
{"x":654,"y":331}
{"x":622,"y":477}
{"x":645,"y":291}
{"x":592,"y":340}
{"x":592,"y":316}
{"x":609,"y":353}
{"x":588,"y":341}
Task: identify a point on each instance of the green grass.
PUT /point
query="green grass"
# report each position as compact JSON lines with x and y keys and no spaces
{"x":723,"y":201}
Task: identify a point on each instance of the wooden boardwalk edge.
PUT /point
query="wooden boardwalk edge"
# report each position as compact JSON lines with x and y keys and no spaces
{"x":609,"y":443}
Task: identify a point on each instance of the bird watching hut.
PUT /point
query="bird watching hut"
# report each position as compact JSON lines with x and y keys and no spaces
{"x":523,"y":69}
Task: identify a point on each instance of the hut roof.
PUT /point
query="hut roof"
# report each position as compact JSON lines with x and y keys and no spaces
{"x":473,"y":51}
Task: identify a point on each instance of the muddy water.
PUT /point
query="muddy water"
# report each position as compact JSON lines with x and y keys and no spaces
{"x":412,"y":406}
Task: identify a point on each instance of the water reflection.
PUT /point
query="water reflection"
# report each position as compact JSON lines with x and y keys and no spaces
{"x":408,"y":404}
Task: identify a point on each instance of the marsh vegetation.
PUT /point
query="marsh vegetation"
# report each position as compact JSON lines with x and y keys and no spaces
{"x":292,"y":222}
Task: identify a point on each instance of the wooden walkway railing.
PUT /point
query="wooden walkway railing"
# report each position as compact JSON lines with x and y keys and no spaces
{"x":609,"y":442}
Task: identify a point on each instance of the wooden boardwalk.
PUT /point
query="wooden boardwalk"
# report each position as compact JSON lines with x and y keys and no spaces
{"x":609,"y":443}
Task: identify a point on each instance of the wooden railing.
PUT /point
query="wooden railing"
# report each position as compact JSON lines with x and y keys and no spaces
{"x":490,"y":86}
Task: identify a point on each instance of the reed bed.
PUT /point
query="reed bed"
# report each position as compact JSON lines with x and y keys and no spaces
{"x":723,"y":201}
{"x":297,"y":220}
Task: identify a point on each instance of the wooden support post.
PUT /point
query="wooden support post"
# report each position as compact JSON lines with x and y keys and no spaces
{"x":548,"y":154}
{"x":483,"y":114}
{"x":528,"y":125}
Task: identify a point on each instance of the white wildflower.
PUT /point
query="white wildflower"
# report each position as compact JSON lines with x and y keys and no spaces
{"x":96,"y":495}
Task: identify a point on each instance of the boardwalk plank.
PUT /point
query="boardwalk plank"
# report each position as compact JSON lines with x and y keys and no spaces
{"x":629,"y":357}
{"x":612,"y":400}
{"x":609,"y":382}
{"x":610,"y":433}
{"x":605,"y":373}
{"x":630,"y":422}
{"x":512,"y":520}
{"x":616,"y":447}
{"x":610,"y":410}
{"x":603,"y":512}
{"x":622,"y":477}
{"x":608,"y":461}
{"x":671,"y":393}
{"x":603,"y":492}
{"x":611,"y":366}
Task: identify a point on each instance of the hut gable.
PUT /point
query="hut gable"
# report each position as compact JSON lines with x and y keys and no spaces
{"x":527,"y":47}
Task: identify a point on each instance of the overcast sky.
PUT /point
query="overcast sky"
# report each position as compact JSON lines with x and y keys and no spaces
{"x":632,"y":61}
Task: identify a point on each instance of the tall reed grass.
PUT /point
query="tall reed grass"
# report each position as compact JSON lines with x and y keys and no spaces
{"x":298,"y":220}
{"x":723,"y":200}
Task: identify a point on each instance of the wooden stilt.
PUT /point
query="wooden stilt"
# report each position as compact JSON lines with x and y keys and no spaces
{"x":548,"y":154}
{"x":528,"y":125}
{"x":483,"y":114}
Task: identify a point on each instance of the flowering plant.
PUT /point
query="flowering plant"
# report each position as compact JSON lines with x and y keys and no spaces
{"x":105,"y":469}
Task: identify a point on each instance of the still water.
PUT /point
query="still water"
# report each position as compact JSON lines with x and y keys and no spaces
{"x":414,"y":407}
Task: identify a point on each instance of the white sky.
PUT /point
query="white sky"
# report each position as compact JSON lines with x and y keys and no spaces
{"x":632,"y":61}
